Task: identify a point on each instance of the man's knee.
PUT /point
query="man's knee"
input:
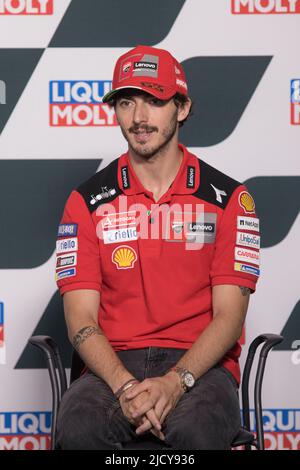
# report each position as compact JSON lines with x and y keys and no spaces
{"x":80,"y":426}
{"x":203,"y":432}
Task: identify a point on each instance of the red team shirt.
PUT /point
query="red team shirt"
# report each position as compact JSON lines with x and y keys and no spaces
{"x":156,"y":290}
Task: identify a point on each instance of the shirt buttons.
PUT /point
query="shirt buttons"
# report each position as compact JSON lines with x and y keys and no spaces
{"x":151,"y":220}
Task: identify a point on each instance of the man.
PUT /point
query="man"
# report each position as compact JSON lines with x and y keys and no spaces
{"x":157,"y":256}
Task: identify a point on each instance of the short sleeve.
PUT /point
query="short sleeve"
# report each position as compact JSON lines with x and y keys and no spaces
{"x":77,"y":248}
{"x":237,"y":251}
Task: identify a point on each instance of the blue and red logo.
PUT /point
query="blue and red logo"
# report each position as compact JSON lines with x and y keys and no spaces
{"x":265,"y":7}
{"x":281,"y":428}
{"x":79,"y":103}
{"x":25,"y":430}
{"x":295,"y":101}
{"x":26,"y":7}
{"x":2,"y":343}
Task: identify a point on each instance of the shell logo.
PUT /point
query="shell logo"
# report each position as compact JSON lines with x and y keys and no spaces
{"x":124,"y":257}
{"x":246,"y":201}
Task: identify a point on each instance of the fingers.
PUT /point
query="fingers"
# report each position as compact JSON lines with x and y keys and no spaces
{"x":151,"y":421}
{"x":158,"y":434}
{"x":136,"y":390}
{"x":143,"y":409}
{"x":146,"y":426}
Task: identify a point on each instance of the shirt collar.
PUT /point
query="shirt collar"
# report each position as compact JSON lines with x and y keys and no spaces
{"x":186,"y":181}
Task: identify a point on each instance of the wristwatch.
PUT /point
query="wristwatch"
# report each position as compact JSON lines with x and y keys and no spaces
{"x":187,"y":378}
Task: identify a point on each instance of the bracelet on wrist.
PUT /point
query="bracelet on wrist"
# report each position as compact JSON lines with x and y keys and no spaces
{"x":125,"y":387}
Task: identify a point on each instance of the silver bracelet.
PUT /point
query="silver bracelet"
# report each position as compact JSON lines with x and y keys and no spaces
{"x":125,"y":386}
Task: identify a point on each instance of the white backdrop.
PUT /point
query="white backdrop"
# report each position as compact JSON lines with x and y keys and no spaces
{"x":263,"y":143}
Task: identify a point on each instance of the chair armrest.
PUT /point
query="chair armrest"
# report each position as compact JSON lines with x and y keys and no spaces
{"x":58,"y":381}
{"x":269,"y":341}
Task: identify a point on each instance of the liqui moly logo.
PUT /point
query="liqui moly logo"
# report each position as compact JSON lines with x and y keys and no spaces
{"x":79,"y":103}
{"x":263,"y":7}
{"x":26,"y":7}
{"x":25,"y":430}
{"x":281,"y":428}
{"x":2,"y":342}
{"x":295,"y":101}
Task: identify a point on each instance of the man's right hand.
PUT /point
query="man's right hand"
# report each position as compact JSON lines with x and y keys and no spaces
{"x":130,"y":406}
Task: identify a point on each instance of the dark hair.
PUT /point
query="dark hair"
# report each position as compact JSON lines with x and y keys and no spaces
{"x":179,"y":100}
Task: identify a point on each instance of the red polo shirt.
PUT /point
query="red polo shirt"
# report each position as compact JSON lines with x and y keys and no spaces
{"x":155,"y":263}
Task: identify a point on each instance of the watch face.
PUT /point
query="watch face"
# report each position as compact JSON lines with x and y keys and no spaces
{"x":189,"y":380}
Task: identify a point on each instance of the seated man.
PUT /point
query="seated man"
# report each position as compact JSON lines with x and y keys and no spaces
{"x":157,"y":256}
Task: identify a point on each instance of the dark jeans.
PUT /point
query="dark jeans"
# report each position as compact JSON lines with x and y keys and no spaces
{"x":206,"y":417}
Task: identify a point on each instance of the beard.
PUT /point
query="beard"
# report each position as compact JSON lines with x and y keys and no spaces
{"x":146,"y":150}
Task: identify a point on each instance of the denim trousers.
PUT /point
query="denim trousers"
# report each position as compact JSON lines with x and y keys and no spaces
{"x":206,"y":417}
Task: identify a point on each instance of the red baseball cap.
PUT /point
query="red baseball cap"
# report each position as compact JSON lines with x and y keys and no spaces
{"x":149,"y":69}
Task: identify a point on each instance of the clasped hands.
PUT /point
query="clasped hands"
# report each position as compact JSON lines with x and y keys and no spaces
{"x":148,"y":403}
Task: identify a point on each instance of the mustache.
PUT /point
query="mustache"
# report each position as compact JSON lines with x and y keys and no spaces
{"x":138,"y":128}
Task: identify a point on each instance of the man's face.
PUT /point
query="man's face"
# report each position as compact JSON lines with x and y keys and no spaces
{"x":147,"y":123}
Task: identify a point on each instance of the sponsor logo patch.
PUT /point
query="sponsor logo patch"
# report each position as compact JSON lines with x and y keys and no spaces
{"x":154,"y":86}
{"x":246,"y":202}
{"x":246,"y":255}
{"x":104,"y":194}
{"x":147,"y":66}
{"x":120,"y":219}
{"x":65,"y":273}
{"x":120,"y":235}
{"x":219,"y":193}
{"x":248,"y":223}
{"x":67,"y":230}
{"x":125,"y":177}
{"x":144,"y":65}
{"x":66,"y":260}
{"x":181,"y":83}
{"x":192,"y":227}
{"x":245,"y":268}
{"x":190,"y":177}
{"x":247,"y":239}
{"x":67,"y":244}
{"x":124,"y":257}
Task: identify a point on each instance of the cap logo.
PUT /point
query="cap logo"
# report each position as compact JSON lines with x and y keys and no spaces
{"x":181,"y":83}
{"x":154,"y":86}
{"x":126,"y":67}
{"x":147,"y":66}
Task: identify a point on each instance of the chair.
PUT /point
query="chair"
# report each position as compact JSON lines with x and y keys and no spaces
{"x":148,"y":441}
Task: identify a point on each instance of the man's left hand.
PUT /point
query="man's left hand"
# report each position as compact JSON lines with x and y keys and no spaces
{"x":163,"y":396}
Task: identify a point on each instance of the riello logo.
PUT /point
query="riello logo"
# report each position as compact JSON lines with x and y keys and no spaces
{"x":26,"y":7}
{"x":263,"y":7}
{"x":79,"y":104}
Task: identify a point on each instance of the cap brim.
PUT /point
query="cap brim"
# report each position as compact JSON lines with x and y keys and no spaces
{"x":152,"y":92}
{"x":112,"y":93}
